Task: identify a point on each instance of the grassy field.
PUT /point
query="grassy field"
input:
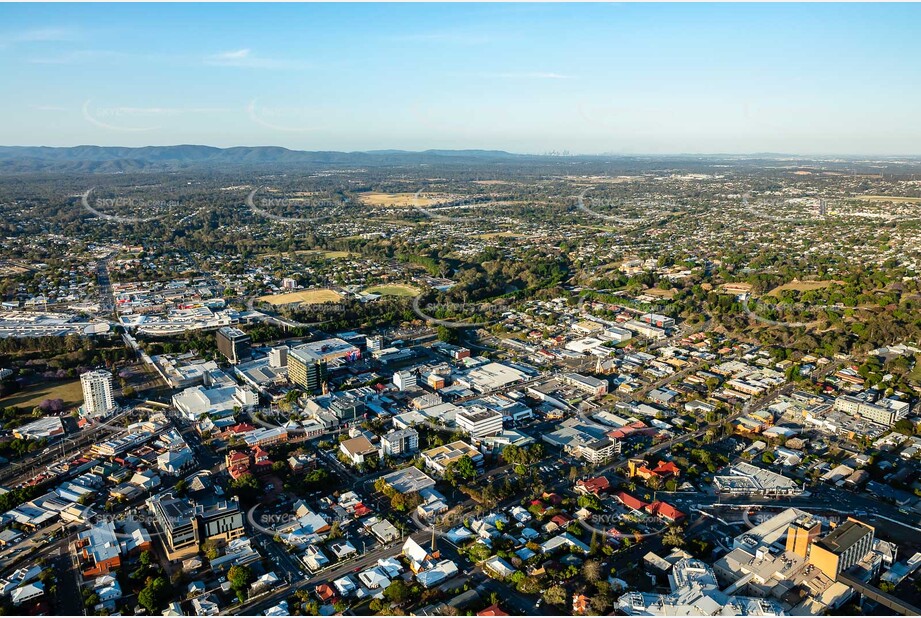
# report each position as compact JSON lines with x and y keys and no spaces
{"x":375,"y":198}
{"x":71,"y":392}
{"x":393,"y":289}
{"x":737,"y":287}
{"x":492,"y":235}
{"x":803,"y":286}
{"x":406,"y":222}
{"x":915,"y":375}
{"x":889,"y":198}
{"x":304,"y":296}
{"x":600,"y":228}
{"x":8,"y":269}
{"x":331,"y":255}
{"x":660,"y":293}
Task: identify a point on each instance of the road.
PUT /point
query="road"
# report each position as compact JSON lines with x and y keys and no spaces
{"x":104,"y":283}
{"x":65,"y":450}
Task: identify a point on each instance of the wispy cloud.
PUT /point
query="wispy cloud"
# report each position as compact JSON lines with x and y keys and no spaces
{"x":40,"y":35}
{"x":529,"y":75}
{"x":239,"y":54}
{"x":246,"y":59}
{"x":163,"y":111}
{"x":129,"y":119}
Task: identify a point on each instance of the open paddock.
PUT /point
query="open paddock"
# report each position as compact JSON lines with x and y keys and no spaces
{"x":393,"y":289}
{"x":402,"y":200}
{"x":803,"y":286}
{"x":70,"y":391}
{"x":307,"y":297}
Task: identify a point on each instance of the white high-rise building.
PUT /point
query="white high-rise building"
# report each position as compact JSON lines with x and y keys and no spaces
{"x":405,"y":380}
{"x":97,"y":393}
{"x":374,"y":343}
{"x":479,"y":421}
{"x":278,"y":357}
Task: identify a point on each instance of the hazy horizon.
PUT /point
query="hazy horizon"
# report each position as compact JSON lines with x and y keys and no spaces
{"x":498,"y":150}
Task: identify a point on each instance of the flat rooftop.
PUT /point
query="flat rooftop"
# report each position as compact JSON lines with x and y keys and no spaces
{"x":845,"y":535}
{"x":408,"y":480}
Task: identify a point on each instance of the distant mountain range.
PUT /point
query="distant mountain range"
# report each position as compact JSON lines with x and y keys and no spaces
{"x":114,"y":159}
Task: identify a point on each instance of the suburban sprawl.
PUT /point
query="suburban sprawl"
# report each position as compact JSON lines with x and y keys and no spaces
{"x":467,"y":383}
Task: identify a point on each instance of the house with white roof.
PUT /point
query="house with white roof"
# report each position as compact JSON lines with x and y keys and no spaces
{"x":564,"y":540}
{"x":419,"y":557}
{"x":175,"y":462}
{"x":278,"y":610}
{"x":391,"y":566}
{"x":314,"y":558}
{"x":437,"y":574}
{"x":374,"y":578}
{"x":498,"y":567}
{"x":345,"y":585}
{"x":145,"y":479}
{"x":343,"y":550}
{"x":27,"y":593}
{"x":205,"y":606}
{"x":520,"y":514}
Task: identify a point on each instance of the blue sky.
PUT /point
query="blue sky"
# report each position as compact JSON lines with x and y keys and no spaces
{"x":587,"y":78}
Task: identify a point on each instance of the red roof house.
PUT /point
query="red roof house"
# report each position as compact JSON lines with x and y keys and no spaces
{"x":666,"y":469}
{"x":237,"y":464}
{"x":242,"y":428}
{"x":561,"y":519}
{"x":665,"y":511}
{"x":629,"y":501}
{"x":361,"y":510}
{"x":492,"y":610}
{"x":595,"y":486}
{"x":325,"y":592}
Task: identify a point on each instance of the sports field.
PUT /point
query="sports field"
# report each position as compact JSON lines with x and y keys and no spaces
{"x":402,"y":200}
{"x":393,"y":289}
{"x":71,"y":392}
{"x":309,"y":297}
